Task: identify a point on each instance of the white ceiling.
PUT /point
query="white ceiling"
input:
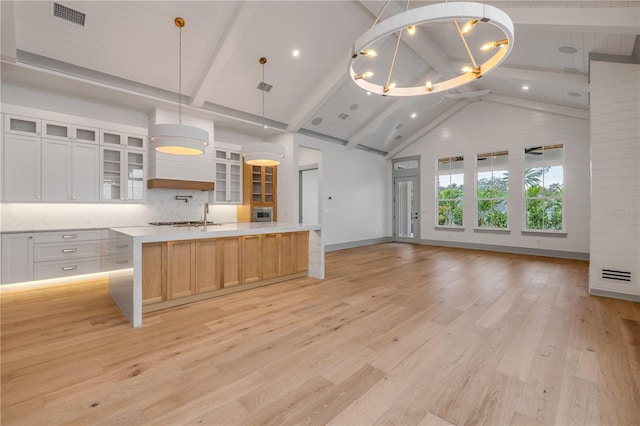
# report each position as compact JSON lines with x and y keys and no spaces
{"x":127,"y":54}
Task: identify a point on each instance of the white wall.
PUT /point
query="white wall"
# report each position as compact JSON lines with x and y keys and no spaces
{"x":615,"y":168}
{"x":487,"y":126}
{"x":353,"y":193}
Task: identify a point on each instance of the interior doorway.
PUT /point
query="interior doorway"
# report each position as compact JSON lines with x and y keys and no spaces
{"x":406,"y":200}
{"x":309,"y":196}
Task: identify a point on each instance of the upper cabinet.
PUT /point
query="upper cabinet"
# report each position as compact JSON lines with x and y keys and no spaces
{"x":54,"y":161}
{"x":69,"y":132}
{"x":69,"y":171}
{"x":18,"y":125}
{"x":228,"y":167}
{"x":122,"y":174}
{"x":21,"y":180}
{"x":123,"y":140}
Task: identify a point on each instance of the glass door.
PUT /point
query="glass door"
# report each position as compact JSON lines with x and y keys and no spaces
{"x":406,"y":218}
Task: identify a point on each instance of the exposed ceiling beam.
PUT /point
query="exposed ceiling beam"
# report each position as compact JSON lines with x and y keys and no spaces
{"x":567,"y":80}
{"x":538,"y":106}
{"x":8,"y":36}
{"x":240,"y":21}
{"x":619,"y":20}
{"x":428,"y":128}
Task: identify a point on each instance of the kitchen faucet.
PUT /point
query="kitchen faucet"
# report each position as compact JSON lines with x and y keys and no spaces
{"x":206,"y":210}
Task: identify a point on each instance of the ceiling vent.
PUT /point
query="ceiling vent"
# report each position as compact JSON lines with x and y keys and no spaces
{"x":613,"y":274}
{"x":343,"y":116}
{"x":265,"y":87}
{"x":68,"y":14}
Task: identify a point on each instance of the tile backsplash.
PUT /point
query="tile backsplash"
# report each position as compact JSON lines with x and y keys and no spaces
{"x":160,"y":206}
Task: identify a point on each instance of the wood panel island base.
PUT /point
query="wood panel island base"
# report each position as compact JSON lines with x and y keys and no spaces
{"x":174,"y":266}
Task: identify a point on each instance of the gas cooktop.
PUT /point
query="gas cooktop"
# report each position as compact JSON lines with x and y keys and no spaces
{"x":183,"y":223}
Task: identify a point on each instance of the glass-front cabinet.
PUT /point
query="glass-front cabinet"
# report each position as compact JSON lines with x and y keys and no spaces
{"x":118,"y":139}
{"x":263,"y":184}
{"x":122,"y":175}
{"x":228,"y":166}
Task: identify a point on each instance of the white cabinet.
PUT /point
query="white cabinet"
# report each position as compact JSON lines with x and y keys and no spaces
{"x":69,"y":132}
{"x":69,"y":171}
{"x":66,"y":253}
{"x":21,"y":179}
{"x":54,"y":161}
{"x":122,"y":172}
{"x":19,"y":125}
{"x":228,"y":167}
{"x":123,"y":140}
{"x":17,"y":257}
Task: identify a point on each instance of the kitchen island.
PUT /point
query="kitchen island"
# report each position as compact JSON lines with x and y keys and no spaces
{"x":177,"y":265}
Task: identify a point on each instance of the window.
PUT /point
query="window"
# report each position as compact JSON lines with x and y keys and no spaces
{"x":544,"y":187}
{"x":492,"y":189}
{"x":450,"y":191}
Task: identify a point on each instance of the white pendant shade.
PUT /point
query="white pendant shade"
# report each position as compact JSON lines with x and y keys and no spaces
{"x":263,"y":154}
{"x":178,"y":139}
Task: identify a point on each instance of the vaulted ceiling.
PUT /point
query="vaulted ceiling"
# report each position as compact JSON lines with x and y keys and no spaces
{"x":127,"y":53}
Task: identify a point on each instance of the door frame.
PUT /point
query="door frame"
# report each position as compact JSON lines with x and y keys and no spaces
{"x":412,"y":173}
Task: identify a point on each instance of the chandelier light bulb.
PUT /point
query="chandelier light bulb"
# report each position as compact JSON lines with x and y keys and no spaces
{"x":467,"y":69}
{"x":369,"y":52}
{"x":469,"y":26}
{"x":411,"y":29}
{"x":494,"y":44}
{"x":429,"y":86}
{"x":365,"y":75}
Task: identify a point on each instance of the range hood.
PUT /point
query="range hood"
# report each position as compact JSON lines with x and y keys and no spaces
{"x":180,"y":184}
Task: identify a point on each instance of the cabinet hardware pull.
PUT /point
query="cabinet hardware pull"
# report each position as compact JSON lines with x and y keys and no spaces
{"x":122,"y":245}
{"x":69,"y":236}
{"x":69,"y":268}
{"x":73,"y":250}
{"x":121,"y":262}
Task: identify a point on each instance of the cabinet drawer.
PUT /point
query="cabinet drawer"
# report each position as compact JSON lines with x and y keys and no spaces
{"x":71,"y":250}
{"x":61,"y":268}
{"x":59,"y":236}
{"x":113,"y":263}
{"x":120,"y":246}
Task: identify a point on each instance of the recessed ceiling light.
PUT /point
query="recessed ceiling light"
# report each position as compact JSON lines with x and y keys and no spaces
{"x":574,"y":94}
{"x":295,"y":53}
{"x":316,"y":121}
{"x":567,"y":49}
{"x":414,"y":115}
{"x":368,"y":93}
{"x":525,"y":87}
{"x":354,"y":107}
{"x":399,"y":126}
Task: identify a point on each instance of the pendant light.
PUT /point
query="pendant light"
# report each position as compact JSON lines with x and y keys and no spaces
{"x":178,"y":139}
{"x":263,"y":153}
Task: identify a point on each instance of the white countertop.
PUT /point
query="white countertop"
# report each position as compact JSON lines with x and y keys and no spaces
{"x":150,"y":234}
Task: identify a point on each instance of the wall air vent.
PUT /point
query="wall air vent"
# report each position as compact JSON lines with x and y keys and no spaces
{"x":343,"y":116}
{"x":68,"y":14}
{"x":265,"y":87}
{"x":615,"y":275}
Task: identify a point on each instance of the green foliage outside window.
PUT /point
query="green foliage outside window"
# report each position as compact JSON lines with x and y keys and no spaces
{"x":543,"y":202}
{"x":492,"y":200}
{"x":450,"y":205}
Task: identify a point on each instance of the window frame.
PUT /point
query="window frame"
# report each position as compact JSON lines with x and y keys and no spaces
{"x":491,"y":168}
{"x":541,"y":164}
{"x":449,"y":173}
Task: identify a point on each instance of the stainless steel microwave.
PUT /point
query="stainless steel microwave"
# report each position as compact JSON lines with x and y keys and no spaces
{"x":262,"y":214}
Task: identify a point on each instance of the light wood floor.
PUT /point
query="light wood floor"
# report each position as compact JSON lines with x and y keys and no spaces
{"x":396,"y":334}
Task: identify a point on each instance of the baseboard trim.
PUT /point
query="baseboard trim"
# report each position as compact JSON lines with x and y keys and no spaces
{"x":614,"y":295}
{"x":352,"y":244}
{"x":509,"y":249}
